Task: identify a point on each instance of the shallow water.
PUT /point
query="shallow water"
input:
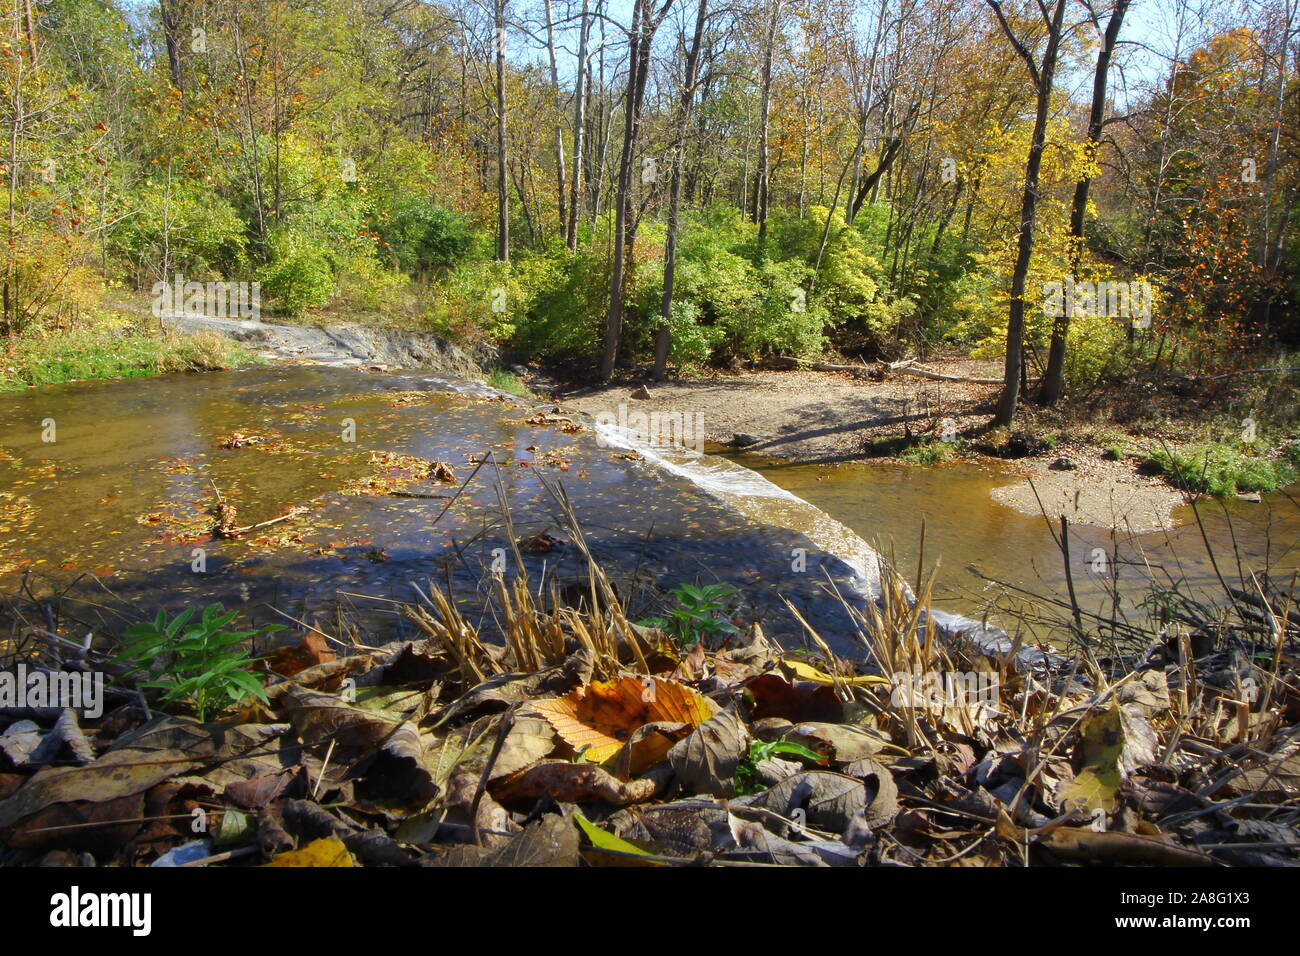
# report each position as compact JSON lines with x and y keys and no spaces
{"x":974,"y":538}
{"x":119,"y":505}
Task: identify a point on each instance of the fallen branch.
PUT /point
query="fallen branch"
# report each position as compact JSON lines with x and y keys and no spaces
{"x":907,"y":368}
{"x":1245,"y":371}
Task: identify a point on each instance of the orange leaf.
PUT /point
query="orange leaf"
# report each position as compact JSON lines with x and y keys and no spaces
{"x":602,"y":715}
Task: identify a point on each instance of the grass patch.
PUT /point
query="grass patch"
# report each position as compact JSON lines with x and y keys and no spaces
{"x":928,"y":453}
{"x":507,"y":381}
{"x":103,"y":353}
{"x":1222,"y":471}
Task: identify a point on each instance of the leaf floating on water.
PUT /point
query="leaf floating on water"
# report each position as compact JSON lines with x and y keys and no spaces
{"x":240,"y":440}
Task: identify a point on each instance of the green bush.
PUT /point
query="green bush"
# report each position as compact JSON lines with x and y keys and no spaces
{"x":1221,"y":471}
{"x":299,"y":276}
{"x":421,"y":235}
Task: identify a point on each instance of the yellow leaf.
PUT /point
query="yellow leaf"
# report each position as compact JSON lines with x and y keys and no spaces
{"x":604,"y":840}
{"x":1103,"y":741}
{"x":325,"y":852}
{"x":805,"y":671}
{"x":602,"y":715}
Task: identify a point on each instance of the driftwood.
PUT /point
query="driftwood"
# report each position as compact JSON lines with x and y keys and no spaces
{"x":907,"y":367}
{"x":1245,"y":371}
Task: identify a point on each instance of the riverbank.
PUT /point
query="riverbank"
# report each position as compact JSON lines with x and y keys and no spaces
{"x":113,"y":347}
{"x":592,"y":739}
{"x":1088,"y":466}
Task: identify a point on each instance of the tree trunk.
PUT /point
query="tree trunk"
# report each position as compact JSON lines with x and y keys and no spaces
{"x":171,"y":24}
{"x":579,"y":120}
{"x":1043,"y":78}
{"x":1054,"y":374}
{"x":503,"y":171}
{"x":762,"y":174}
{"x":559,"y":127}
{"x":664,"y":340}
{"x":641,"y":37}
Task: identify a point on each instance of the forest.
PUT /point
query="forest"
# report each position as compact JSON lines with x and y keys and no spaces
{"x":670,"y":186}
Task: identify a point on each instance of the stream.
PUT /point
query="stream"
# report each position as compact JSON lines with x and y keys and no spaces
{"x":987,"y":551}
{"x":108,"y":493}
{"x":109,"y":498}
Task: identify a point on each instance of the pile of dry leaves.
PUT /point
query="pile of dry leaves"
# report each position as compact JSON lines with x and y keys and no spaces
{"x":587,"y":739}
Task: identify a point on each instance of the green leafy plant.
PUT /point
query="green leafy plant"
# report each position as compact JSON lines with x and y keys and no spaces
{"x":1220,"y":470}
{"x":196,"y":661}
{"x":696,"y":615}
{"x":507,"y":381}
{"x":747,"y":778}
{"x":928,"y":453}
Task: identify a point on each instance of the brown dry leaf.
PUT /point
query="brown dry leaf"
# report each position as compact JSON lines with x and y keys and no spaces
{"x":706,"y":761}
{"x":403,"y":772}
{"x":19,"y":740}
{"x":1149,"y":692}
{"x":843,"y":743}
{"x":329,"y":851}
{"x":1272,"y":779}
{"x":774,"y":696}
{"x":111,"y":788}
{"x":327,"y":677}
{"x":506,"y":689}
{"x":1117,"y":848}
{"x":647,"y":746}
{"x":318,"y":718}
{"x":312,"y":650}
{"x":828,"y":800}
{"x":551,"y":841}
{"x":259,"y":791}
{"x":530,"y":739}
{"x":256,"y":749}
{"x":601,"y":716}
{"x":1101,"y":745}
{"x":571,"y":783}
{"x":882,"y":802}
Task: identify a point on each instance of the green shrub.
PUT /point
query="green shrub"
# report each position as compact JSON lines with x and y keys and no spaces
{"x":1221,"y":471}
{"x":928,"y":453}
{"x":507,"y":381}
{"x":298,"y":276}
{"x":421,"y":235}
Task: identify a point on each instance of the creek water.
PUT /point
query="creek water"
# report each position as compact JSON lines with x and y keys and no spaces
{"x":108,"y":492}
{"x":988,"y":552}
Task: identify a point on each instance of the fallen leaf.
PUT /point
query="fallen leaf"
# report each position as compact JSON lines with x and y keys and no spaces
{"x":571,"y":783}
{"x":602,"y":715}
{"x":328,"y":851}
{"x":706,"y":761}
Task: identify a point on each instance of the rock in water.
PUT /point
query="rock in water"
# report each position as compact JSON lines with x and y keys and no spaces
{"x":742,"y":440}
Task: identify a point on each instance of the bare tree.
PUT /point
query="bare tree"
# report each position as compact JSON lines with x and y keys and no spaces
{"x":646,"y":21}
{"x":680,"y":123}
{"x":1054,"y":374}
{"x":1042,"y":74}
